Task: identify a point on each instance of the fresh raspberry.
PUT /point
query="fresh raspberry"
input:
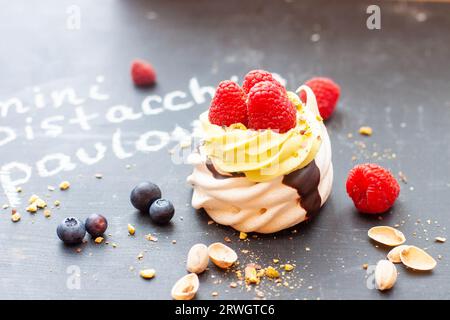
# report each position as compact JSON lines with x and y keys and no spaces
{"x":372,"y":188}
{"x":142,"y":73}
{"x":269,"y":107}
{"x":228,"y":105}
{"x":327,"y":94}
{"x":256,"y":76}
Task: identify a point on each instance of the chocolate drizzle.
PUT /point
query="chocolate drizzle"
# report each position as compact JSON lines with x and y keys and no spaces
{"x":217,"y":175}
{"x":306,"y":182}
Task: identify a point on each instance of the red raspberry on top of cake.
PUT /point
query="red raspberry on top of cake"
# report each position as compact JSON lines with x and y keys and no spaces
{"x":228,"y":105}
{"x":269,"y":107}
{"x":256,"y":76}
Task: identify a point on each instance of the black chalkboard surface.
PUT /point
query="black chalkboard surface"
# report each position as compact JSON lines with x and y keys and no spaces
{"x":69,"y":111}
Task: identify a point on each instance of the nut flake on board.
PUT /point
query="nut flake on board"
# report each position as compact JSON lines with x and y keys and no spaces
{"x":222,"y":255}
{"x":64,"y":185}
{"x":198,"y":258}
{"x":440,"y":239}
{"x":131,"y":229}
{"x":385,"y":275}
{"x":394,"y":255}
{"x":271,"y":272}
{"x":365,"y":131}
{"x":251,"y":276}
{"x":147,"y":273}
{"x":186,"y":287}
{"x":387,"y":236}
{"x":417,"y":259}
{"x":15,"y":217}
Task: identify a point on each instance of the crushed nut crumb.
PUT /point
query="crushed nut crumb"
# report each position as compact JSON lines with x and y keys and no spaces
{"x":99,"y":240}
{"x":64,"y":185}
{"x":288,"y":267}
{"x":149,"y":237}
{"x":15,"y":217}
{"x":47,"y":213}
{"x":365,"y":131}
{"x":271,"y":272}
{"x":251,"y":276}
{"x":147,"y":273}
{"x":440,"y":239}
{"x":131,"y":229}
{"x":32,"y":208}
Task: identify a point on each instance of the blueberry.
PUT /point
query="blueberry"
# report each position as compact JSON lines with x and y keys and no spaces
{"x":71,"y":230}
{"x":143,"y":195}
{"x":96,"y":225}
{"x":161,"y":211}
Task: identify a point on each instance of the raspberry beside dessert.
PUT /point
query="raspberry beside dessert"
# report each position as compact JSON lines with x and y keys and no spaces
{"x":372,"y":188}
{"x":142,"y":73}
{"x":327,"y":93}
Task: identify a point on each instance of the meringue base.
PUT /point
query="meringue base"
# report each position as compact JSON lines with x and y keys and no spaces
{"x":263,"y":207}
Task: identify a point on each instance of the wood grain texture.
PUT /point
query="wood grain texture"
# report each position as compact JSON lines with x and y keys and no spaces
{"x":395,"y":80}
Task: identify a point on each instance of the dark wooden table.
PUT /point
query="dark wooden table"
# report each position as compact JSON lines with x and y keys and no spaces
{"x":395,"y":80}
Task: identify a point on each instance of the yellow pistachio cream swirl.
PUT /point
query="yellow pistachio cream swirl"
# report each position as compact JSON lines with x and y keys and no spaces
{"x":263,"y":155}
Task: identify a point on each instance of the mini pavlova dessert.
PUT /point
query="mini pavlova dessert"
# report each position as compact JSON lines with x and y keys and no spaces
{"x":264,"y":163}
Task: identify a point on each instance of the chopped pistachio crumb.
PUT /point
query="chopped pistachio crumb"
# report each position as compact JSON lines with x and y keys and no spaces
{"x":32,"y":199}
{"x":440,"y":239}
{"x":64,"y":185}
{"x":150,"y":237}
{"x":131,"y":229}
{"x":41,"y":204}
{"x":15,"y":217}
{"x":251,"y":276}
{"x":288,"y":267}
{"x":99,"y":240}
{"x":147,"y":273}
{"x":365,"y":131}
{"x":271,"y":272}
{"x":32,"y":208}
